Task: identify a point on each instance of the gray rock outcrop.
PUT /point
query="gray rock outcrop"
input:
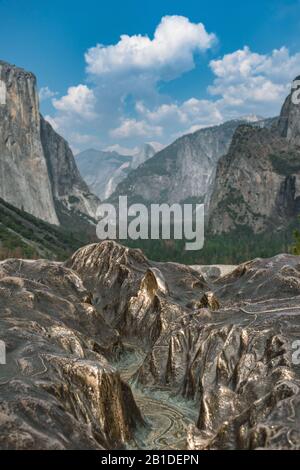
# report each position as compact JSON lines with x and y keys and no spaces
{"x":257,"y":182}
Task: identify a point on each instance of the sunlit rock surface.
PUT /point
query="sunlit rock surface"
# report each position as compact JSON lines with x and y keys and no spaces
{"x":138,"y":297}
{"x":222,"y":351}
{"x":24,"y":179}
{"x":57,"y":389}
{"x":236,"y":363}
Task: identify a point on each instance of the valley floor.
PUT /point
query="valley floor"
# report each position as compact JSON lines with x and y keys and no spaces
{"x":167,"y":418}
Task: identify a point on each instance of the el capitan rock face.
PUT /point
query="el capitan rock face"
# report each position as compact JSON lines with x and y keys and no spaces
{"x":24,"y":179}
{"x":37,"y":167}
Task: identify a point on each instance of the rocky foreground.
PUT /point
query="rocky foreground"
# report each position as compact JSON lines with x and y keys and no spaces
{"x":223,"y":348}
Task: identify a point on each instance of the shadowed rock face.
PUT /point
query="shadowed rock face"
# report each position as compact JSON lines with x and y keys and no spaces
{"x":257,"y":182}
{"x":289,"y":121}
{"x":67,"y":184}
{"x":57,"y":390}
{"x":101,"y":170}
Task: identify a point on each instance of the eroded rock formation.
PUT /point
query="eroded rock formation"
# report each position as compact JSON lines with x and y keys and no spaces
{"x":132,"y":293}
{"x":236,"y":363}
{"x":57,"y":389}
{"x":224,"y":349}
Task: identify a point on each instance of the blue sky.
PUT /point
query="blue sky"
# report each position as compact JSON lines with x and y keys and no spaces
{"x":182,"y":64}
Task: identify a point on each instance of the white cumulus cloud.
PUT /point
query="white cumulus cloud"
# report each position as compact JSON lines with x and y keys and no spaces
{"x":246,"y":79}
{"x":167,"y":55}
{"x":135,"y":128}
{"x":123,"y":102}
{"x":79,"y":100}
{"x":176,"y":119}
{"x":45,"y":93}
{"x":128,"y":73}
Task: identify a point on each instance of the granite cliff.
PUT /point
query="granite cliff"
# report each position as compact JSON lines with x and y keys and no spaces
{"x":69,"y":189}
{"x":24,"y":178}
{"x":182,"y":171}
{"x":37,"y":168}
{"x":257,"y":182}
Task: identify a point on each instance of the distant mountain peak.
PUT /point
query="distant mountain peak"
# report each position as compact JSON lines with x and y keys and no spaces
{"x":104,"y":169}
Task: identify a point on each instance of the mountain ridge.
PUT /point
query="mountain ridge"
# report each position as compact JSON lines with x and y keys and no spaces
{"x":103,"y":170}
{"x":258,"y":181}
{"x":183,"y":170}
